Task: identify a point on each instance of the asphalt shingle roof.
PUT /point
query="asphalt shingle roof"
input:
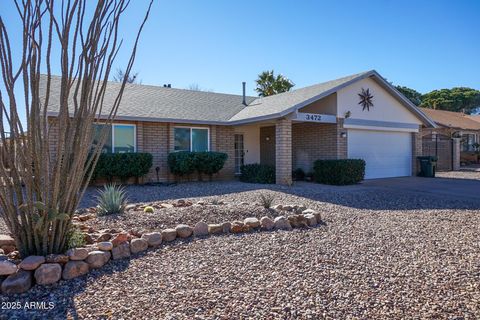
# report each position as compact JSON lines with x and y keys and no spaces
{"x":452,"y":119}
{"x":282,"y":102}
{"x":154,"y":103}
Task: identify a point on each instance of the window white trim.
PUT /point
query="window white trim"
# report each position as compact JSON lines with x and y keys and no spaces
{"x":113,"y":133}
{"x":191,"y":140}
{"x":134,"y":134}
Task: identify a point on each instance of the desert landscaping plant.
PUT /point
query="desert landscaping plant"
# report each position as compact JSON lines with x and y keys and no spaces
{"x":111,"y":199}
{"x":75,"y":238}
{"x":148,"y":209}
{"x":87,"y":40}
{"x":266,"y":200}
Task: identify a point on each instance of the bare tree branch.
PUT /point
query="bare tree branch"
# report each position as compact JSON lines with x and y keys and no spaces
{"x":41,"y":183}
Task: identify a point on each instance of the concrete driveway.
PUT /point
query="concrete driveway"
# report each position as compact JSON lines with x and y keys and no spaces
{"x":449,"y":188}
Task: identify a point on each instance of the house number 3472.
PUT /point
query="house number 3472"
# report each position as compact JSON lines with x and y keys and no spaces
{"x":313,"y":117}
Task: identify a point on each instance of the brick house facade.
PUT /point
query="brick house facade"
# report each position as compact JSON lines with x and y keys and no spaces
{"x":289,"y":130}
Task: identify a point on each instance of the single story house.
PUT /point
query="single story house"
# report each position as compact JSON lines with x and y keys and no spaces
{"x":456,"y":125}
{"x":358,"y":116}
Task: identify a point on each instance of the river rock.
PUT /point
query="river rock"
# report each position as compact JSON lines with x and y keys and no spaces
{"x":169,"y":235}
{"x":226,"y":227}
{"x":298,"y":221}
{"x":215,"y":228}
{"x":154,"y":239}
{"x":200,"y":229}
{"x":31,"y":262}
{"x":184,"y":231}
{"x":121,"y":251}
{"x":74,"y":269}
{"x":266,"y":223}
{"x":97,"y":259}
{"x":120,"y":238}
{"x":252,"y":222}
{"x":57,"y":258}
{"x":282,"y":223}
{"x":7,"y":268}
{"x":138,"y":245}
{"x":311,"y":219}
{"x":77,"y":254}
{"x":6,"y":240}
{"x":48,"y":273}
{"x":18,"y":282}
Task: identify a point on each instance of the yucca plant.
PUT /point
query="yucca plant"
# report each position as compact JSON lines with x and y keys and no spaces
{"x":111,"y":200}
{"x":266,"y":200}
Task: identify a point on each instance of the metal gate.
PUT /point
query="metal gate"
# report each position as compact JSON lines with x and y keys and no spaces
{"x":441,"y":146}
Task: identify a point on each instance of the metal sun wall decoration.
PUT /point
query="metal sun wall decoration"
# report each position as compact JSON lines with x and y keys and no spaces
{"x":366,"y":99}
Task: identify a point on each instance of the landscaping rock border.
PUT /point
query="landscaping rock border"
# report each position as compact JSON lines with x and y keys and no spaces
{"x":21,"y":275}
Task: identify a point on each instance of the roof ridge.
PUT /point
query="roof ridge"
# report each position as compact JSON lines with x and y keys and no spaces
{"x":167,"y":88}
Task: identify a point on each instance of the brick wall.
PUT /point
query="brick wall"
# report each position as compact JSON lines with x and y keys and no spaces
{"x":283,"y":151}
{"x":152,"y":137}
{"x":314,"y":141}
{"x":225,"y":142}
{"x":158,"y":139}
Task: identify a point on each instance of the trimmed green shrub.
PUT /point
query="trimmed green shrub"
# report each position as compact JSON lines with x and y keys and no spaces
{"x":339,"y":172}
{"x":122,"y":165}
{"x":209,"y":162}
{"x":257,"y":173}
{"x":184,"y":163}
{"x":181,"y":163}
{"x":298,"y":174}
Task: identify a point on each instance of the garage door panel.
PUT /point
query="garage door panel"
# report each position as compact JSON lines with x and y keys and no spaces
{"x":386,"y":153}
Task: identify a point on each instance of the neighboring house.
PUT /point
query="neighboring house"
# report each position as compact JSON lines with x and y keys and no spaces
{"x":289,"y":130}
{"x":457,"y":125}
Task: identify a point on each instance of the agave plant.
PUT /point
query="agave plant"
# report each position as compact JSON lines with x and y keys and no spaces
{"x":112,"y":199}
{"x":266,"y":200}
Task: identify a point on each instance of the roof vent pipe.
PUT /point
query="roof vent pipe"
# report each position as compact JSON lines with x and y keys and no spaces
{"x":244,"y":98}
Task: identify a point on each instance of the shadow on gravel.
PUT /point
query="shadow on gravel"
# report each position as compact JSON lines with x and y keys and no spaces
{"x":408,"y":193}
{"x":61,"y":294}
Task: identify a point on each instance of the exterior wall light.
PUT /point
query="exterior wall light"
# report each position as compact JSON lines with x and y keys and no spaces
{"x":343,"y":134}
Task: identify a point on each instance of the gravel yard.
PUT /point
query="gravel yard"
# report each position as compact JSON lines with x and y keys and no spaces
{"x":380,"y":254}
{"x":474,"y":175}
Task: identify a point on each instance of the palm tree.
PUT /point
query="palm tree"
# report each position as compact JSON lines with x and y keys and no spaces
{"x":268,"y":84}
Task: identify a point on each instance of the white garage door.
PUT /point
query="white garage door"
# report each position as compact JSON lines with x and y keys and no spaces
{"x":386,"y":153}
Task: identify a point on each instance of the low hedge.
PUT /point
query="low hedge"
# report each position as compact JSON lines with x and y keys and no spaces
{"x":184,"y":163}
{"x":339,"y":172}
{"x":209,"y":162}
{"x":257,"y":173}
{"x":122,"y":166}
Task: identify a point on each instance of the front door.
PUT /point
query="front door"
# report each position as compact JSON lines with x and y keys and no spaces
{"x":239,"y":154}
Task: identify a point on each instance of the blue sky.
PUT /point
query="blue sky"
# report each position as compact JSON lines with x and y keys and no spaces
{"x":218,"y":44}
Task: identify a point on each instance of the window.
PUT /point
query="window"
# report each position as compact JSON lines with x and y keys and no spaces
{"x":191,"y":139}
{"x":120,"y":138}
{"x":468,"y":141}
